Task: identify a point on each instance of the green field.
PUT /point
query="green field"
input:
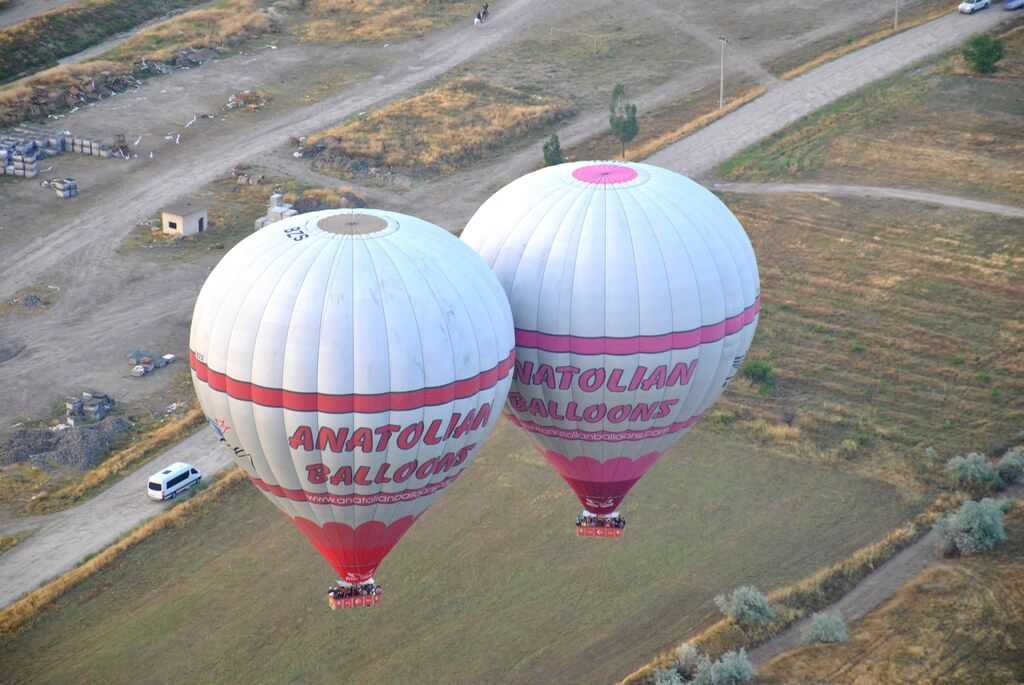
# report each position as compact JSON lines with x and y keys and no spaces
{"x":937,"y":127}
{"x":490,"y":586}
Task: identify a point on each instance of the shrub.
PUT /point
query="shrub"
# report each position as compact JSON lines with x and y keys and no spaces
{"x":667,"y":676}
{"x":733,"y":668}
{"x":825,"y":627}
{"x":983,"y":52}
{"x":1011,"y":466}
{"x":553,"y":151}
{"x":760,"y":371}
{"x":973,"y":473}
{"x":973,"y":528}
{"x":688,"y":658}
{"x":747,"y":606}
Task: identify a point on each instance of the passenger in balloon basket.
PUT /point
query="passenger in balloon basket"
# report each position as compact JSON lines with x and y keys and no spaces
{"x":590,"y":525}
{"x":351,"y":595}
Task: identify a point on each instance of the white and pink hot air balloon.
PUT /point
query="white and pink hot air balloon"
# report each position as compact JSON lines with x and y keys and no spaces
{"x":635,"y":296}
{"x":354,"y":361}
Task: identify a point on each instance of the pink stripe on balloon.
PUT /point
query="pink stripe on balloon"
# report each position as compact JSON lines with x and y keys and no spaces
{"x":602,"y":436}
{"x":605,"y":174}
{"x":641,"y":344}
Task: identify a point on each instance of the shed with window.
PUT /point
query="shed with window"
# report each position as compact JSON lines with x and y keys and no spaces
{"x":184,"y":218}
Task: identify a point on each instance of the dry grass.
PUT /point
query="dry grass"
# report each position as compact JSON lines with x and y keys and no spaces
{"x":958,"y":621}
{"x":9,"y":541}
{"x":800,"y":599}
{"x":375,"y":20}
{"x":938,"y":128}
{"x":141,"y":450}
{"x":14,"y":617}
{"x":440,"y":130}
{"x":892,"y":328}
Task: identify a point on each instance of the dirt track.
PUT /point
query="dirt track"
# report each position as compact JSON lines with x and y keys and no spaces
{"x":872,"y":590}
{"x":872,"y":191}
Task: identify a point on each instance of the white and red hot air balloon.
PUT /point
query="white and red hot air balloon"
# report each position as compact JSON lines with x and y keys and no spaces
{"x":635,"y":296}
{"x":354,"y":362}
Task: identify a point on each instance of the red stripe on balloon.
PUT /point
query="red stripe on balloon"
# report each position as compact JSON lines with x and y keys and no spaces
{"x":355,"y":553}
{"x":343,"y":404}
{"x":645,"y":344}
{"x":353,"y":499}
{"x":603,"y":436}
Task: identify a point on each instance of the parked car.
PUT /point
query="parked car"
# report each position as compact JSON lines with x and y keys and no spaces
{"x":1013,"y":4}
{"x":168,"y":482}
{"x":972,"y":6}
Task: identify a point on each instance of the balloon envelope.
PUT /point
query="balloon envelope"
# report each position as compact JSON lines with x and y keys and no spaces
{"x":354,"y":362}
{"x":635,"y":296}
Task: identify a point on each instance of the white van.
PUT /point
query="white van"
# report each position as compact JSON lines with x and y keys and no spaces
{"x":166,"y":484}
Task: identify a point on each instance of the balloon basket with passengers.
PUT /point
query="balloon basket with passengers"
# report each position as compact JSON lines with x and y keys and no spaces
{"x":590,"y":525}
{"x":353,"y":595}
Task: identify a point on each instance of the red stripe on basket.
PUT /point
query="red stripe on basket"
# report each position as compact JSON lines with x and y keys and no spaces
{"x":343,"y":404}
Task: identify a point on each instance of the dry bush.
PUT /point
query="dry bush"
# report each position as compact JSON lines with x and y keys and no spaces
{"x":343,"y":20}
{"x":316,"y":199}
{"x":441,"y":129}
{"x":14,"y":617}
{"x":129,"y":457}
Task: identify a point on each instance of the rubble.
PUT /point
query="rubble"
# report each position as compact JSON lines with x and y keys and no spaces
{"x":247,"y":99}
{"x":80,"y":448}
{"x":276,"y":210}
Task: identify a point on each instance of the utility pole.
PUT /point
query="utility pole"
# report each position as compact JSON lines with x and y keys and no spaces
{"x":721,"y":80}
{"x":896,"y":16}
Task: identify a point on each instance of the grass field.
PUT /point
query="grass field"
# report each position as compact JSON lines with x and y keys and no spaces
{"x":491,"y":586}
{"x":960,"y":621}
{"x":892,"y":326}
{"x":939,"y":128}
{"x":440,"y":130}
{"x":374,"y":20}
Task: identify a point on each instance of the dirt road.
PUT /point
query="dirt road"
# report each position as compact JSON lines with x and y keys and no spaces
{"x":62,"y":540}
{"x":699,"y":154}
{"x":872,"y":191}
{"x":872,"y":590}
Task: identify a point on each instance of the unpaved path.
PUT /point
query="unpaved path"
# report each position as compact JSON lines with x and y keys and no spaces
{"x":872,"y":191}
{"x":869,"y":593}
{"x":63,"y":539}
{"x":697,"y":155}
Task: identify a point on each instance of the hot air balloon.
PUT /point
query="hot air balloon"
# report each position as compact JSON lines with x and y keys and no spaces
{"x":635,"y":296}
{"x":354,"y":362}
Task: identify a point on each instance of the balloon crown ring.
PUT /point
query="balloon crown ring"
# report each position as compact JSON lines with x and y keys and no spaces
{"x":605,"y":174}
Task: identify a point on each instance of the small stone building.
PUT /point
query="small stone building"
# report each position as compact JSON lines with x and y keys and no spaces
{"x":184,"y":218}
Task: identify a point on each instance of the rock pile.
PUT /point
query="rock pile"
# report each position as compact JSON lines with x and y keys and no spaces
{"x":79,"y":448}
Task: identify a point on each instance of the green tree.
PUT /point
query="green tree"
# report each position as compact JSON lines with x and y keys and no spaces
{"x":973,"y":474}
{"x":747,"y":606}
{"x":983,"y":52}
{"x":1011,"y":466}
{"x":974,"y":527}
{"x":825,"y":627}
{"x":623,"y":117}
{"x":553,"y":151}
{"x":733,"y":668}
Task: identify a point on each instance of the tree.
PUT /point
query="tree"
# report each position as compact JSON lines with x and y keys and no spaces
{"x":983,"y":52}
{"x":733,"y":668}
{"x":553,"y":151}
{"x":623,"y":117}
{"x":747,"y":606}
{"x":973,"y":474}
{"x":973,"y":528}
{"x":1011,"y":466}
{"x":825,"y":627}
{"x":667,"y":676}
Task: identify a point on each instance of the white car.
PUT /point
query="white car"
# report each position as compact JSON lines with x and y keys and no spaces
{"x":168,"y":482}
{"x":972,"y":6}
